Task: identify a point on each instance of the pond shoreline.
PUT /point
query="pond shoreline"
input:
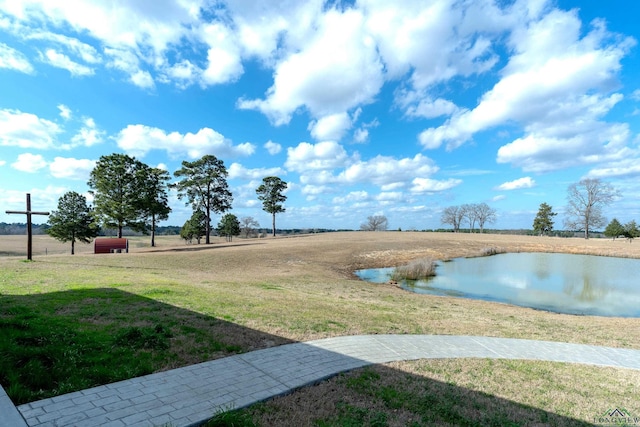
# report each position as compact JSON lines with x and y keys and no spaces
{"x":574,"y":284}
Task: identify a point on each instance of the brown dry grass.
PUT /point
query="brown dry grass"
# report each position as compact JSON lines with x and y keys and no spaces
{"x":251,"y":282}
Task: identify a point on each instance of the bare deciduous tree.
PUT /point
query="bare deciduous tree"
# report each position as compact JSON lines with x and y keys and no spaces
{"x":586,"y":200}
{"x":453,"y":215}
{"x":470,"y":215}
{"x":479,"y":213}
{"x":248,"y":225}
{"x":484,"y":214}
{"x":375,"y":223}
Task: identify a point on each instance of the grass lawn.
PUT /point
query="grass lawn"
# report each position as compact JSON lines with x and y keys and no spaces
{"x":72,"y":322}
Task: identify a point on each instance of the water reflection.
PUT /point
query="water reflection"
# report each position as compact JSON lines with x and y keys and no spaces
{"x":564,"y":283}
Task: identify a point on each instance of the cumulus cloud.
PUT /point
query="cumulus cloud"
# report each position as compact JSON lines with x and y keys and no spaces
{"x":385,"y":170}
{"x":126,"y":60}
{"x":138,"y":140}
{"x":237,"y":171}
{"x":30,"y":163}
{"x":71,"y":168}
{"x":223,"y":56}
{"x":556,"y":85}
{"x":272,"y":147}
{"x":525,"y":182}
{"x":336,"y":70}
{"x":27,"y":130}
{"x":323,"y":155}
{"x":330,"y":127}
{"x":427,"y":185}
{"x":13,"y":59}
{"x":88,"y":135}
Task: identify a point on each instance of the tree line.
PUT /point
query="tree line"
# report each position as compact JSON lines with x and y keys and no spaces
{"x":127,"y":193}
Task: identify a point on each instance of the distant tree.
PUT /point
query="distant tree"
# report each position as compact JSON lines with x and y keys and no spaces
{"x":586,"y":200}
{"x":204,"y":185}
{"x":194,"y":227}
{"x":270,"y":193}
{"x":453,"y":215}
{"x":73,"y":221}
{"x":154,"y":198}
{"x":543,"y":222}
{"x":470,"y":215}
{"x":229,"y":226}
{"x":614,"y":229}
{"x":484,"y":214}
{"x":375,"y":223}
{"x":631,"y":230}
{"x":248,"y":226}
{"x":116,"y":189}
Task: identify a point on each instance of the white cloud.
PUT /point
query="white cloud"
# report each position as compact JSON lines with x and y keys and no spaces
{"x":89,"y":135}
{"x":629,"y":167}
{"x":183,"y":73}
{"x":30,"y":163}
{"x":330,"y":127}
{"x":435,"y":41}
{"x":354,"y":196}
{"x":237,"y":171}
{"x":27,"y":130}
{"x":273,"y":147}
{"x":82,"y":50}
{"x":361,"y":135}
{"x":543,"y":151}
{"x":555,"y":85}
{"x":3,"y":162}
{"x":336,"y":70}
{"x":430,"y":109}
{"x":14,"y":60}
{"x":142,"y":79}
{"x":61,"y":60}
{"x":427,"y":185}
{"x":138,"y":140}
{"x":65,"y":112}
{"x":385,"y":171}
{"x":323,"y":155}
{"x":525,"y":182}
{"x":70,"y":168}
{"x":223,"y":56}
{"x":126,"y":60}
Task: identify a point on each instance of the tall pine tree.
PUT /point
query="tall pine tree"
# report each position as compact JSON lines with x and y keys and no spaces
{"x":543,"y":223}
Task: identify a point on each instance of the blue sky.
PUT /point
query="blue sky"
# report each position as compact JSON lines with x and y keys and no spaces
{"x":369,"y":107}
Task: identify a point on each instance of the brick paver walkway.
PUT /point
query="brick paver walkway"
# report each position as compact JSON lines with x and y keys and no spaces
{"x":189,"y":395}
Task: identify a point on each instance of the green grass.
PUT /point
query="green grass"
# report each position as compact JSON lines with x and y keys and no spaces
{"x":60,"y":342}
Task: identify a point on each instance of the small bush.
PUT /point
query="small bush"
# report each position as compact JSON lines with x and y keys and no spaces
{"x":489,"y":251}
{"x":415,"y":270}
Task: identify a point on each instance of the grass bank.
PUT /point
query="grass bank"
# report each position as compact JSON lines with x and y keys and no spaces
{"x":153,"y":309}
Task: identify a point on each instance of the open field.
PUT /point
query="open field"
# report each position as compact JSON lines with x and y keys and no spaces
{"x":191,"y":303}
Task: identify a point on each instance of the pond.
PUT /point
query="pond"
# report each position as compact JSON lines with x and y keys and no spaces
{"x":562,"y":283}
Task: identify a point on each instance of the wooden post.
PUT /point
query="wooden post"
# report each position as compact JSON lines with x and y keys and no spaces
{"x":28,"y":212}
